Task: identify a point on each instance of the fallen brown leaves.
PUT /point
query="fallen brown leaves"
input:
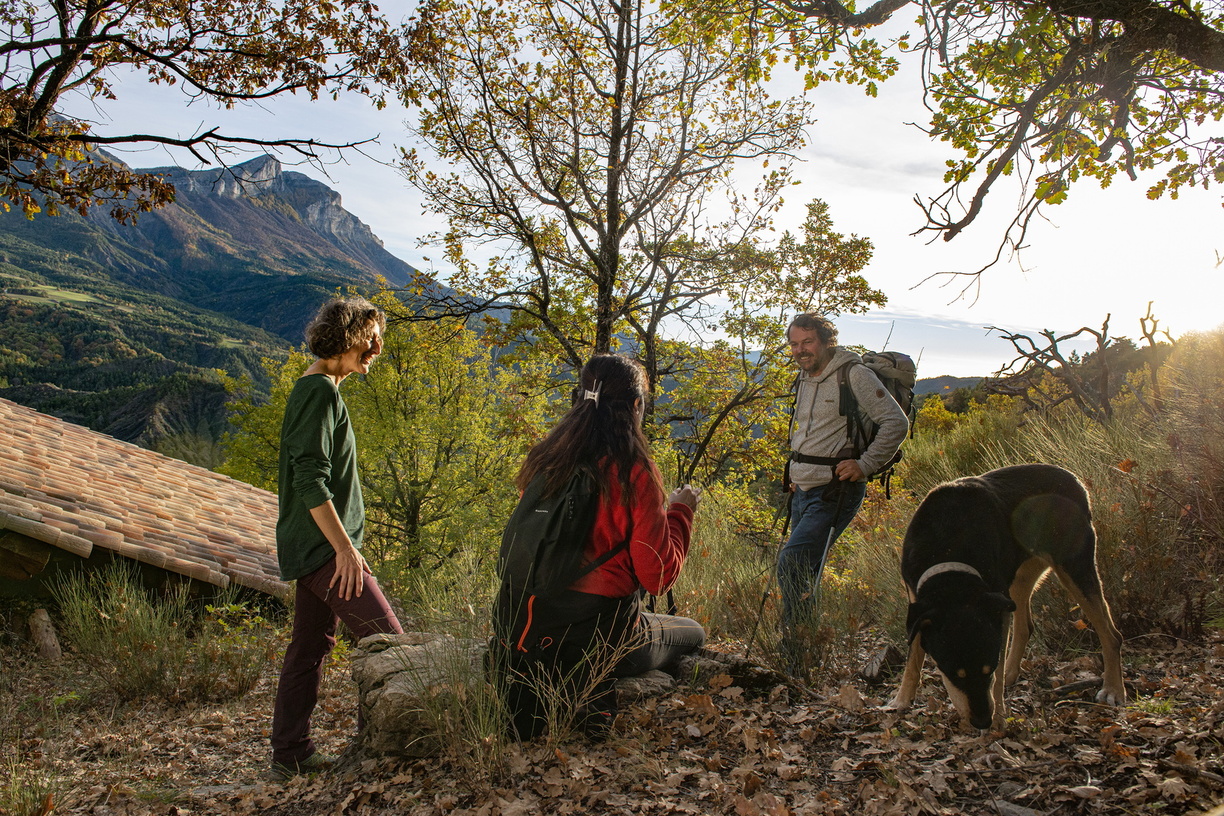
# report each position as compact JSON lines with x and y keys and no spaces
{"x":716,"y":749}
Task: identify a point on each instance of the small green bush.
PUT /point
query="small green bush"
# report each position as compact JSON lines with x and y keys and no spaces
{"x":228,"y":653}
{"x":141,"y":645}
{"x":947,"y":446}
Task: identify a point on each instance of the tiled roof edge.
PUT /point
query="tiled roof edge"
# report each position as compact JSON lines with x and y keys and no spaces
{"x":46,"y":534}
{"x":278,"y":589}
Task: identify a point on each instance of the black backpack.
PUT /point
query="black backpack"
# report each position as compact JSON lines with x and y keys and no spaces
{"x":543,"y":631}
{"x":541,"y":549}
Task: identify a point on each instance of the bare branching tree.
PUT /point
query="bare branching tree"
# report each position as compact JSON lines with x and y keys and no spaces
{"x":593,"y":144}
{"x":225,"y":52}
{"x":1044,"y":376}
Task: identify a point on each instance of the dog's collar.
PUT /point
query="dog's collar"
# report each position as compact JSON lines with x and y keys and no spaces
{"x":946,"y":566}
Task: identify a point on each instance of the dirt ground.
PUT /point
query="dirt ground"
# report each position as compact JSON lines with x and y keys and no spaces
{"x":716,"y":749}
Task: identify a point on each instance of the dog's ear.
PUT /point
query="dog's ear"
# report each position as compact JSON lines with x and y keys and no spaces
{"x":998,"y":602}
{"x":919,"y":616}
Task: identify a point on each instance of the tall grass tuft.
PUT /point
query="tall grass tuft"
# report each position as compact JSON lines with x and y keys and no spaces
{"x":464,"y":709}
{"x":729,"y":572}
{"x":729,"y":583}
{"x":25,"y":790}
{"x":141,"y":645}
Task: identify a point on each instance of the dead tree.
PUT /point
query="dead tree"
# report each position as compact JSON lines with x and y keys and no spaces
{"x":1147,"y":327}
{"x":1025,"y":377}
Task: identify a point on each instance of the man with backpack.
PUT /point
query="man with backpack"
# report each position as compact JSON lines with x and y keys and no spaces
{"x":845,"y":426}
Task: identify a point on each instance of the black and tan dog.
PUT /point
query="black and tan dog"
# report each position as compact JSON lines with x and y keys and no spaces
{"x":973,"y":554}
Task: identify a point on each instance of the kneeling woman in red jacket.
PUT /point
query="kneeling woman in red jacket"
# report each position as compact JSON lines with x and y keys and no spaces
{"x":570,"y":647}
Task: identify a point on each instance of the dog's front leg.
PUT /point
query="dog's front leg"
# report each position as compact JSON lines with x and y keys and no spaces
{"x":997,"y":682}
{"x":1028,"y":578}
{"x":909,"y":680}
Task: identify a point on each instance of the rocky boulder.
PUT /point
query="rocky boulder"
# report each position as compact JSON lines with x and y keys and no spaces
{"x":410,"y":686}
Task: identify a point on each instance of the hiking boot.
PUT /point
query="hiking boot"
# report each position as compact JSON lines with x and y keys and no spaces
{"x":283,"y":772}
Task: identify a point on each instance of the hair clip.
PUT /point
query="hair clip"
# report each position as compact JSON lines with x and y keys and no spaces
{"x":593,"y":395}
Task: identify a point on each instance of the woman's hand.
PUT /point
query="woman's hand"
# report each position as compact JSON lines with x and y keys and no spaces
{"x":349,"y":577}
{"x":351,"y":566}
{"x":686,"y":495}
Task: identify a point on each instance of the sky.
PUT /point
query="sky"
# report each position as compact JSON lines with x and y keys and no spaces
{"x":1103,"y":252}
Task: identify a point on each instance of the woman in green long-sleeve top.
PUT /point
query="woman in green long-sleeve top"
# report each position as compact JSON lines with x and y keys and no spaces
{"x":320,"y":525}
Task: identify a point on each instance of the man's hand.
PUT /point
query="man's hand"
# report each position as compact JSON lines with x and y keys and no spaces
{"x":848,"y":470}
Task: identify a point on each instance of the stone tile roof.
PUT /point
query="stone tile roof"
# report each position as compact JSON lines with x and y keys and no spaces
{"x":76,"y":489}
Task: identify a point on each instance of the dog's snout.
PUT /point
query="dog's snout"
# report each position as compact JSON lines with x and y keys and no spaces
{"x":981,"y":721}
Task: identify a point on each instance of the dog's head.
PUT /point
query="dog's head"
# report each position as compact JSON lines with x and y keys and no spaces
{"x":963,"y":633}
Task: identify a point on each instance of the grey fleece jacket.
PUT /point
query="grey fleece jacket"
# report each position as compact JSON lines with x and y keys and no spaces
{"x":819,"y":429}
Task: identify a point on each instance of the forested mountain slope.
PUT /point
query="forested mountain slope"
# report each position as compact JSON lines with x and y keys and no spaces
{"x":129,"y":329}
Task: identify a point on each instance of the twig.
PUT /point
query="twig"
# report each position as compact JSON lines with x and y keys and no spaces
{"x":1156,"y":635}
{"x":1084,"y":704}
{"x":1078,"y":685}
{"x":1190,"y":770}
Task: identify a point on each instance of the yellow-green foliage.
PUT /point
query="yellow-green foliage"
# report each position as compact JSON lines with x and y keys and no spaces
{"x":947,"y":446}
{"x":441,"y":430}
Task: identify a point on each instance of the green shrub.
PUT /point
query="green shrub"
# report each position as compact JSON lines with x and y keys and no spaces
{"x":140,"y":645}
{"x":229,"y":651}
{"x":947,"y":446}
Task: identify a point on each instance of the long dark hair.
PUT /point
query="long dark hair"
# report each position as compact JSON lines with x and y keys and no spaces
{"x":600,"y":428}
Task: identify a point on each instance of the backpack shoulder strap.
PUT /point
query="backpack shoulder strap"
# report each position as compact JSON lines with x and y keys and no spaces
{"x":848,"y":406}
{"x":605,"y":558}
{"x":590,"y":567}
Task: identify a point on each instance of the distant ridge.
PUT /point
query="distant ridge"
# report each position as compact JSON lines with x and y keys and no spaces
{"x":255,"y":242}
{"x":944,"y":384}
{"x":125,"y":328}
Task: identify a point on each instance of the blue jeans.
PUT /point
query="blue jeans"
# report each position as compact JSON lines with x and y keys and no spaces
{"x":818,"y":517}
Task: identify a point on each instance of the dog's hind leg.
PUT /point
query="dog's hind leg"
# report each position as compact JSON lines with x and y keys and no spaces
{"x":1028,"y":577}
{"x":909,"y":680}
{"x":1087,"y":593}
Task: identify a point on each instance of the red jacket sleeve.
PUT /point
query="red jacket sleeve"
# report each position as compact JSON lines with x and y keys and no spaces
{"x":657,"y":548}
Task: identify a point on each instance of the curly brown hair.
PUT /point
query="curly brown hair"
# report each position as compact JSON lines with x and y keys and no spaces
{"x":824,"y":328}
{"x":341,"y":322}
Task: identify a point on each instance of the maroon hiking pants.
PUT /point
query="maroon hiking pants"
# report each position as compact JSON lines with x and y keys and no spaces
{"x":316,"y":610}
